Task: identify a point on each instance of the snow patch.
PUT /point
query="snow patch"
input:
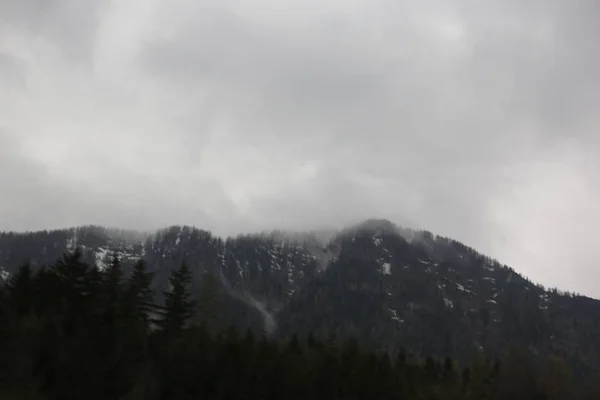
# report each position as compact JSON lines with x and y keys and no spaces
{"x":491,"y":301}
{"x":488,"y":267}
{"x":101,"y":254}
{"x":377,"y":241}
{"x":489,"y":279}
{"x":462,"y":288}
{"x":395,"y":315}
{"x":544,"y":301}
{"x":290,"y":278}
{"x":4,"y":274}
{"x":71,"y":243}
{"x":448,"y":303}
{"x":240,"y":271}
{"x":275,"y":257}
{"x":386,"y":268}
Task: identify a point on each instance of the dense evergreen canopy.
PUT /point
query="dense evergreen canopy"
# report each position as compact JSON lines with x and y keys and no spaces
{"x":72,"y":331}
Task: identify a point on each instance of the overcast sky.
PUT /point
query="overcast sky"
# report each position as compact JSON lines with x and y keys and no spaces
{"x":475,"y":119}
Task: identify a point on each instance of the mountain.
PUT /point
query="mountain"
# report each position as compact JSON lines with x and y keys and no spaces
{"x":387,"y":286}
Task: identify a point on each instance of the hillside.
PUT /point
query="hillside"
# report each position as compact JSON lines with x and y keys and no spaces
{"x":388,"y":287}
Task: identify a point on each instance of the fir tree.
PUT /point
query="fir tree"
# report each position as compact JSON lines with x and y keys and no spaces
{"x":20,"y":291}
{"x":179,"y":307}
{"x":111,"y":293}
{"x":139,"y":295}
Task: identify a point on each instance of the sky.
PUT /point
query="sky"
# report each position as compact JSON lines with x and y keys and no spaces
{"x":472,"y":119}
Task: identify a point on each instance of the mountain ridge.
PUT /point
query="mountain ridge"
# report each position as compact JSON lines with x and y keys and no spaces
{"x":322,"y":236}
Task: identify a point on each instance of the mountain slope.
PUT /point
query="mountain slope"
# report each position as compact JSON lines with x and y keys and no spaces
{"x":436,"y":296}
{"x":386,"y":286}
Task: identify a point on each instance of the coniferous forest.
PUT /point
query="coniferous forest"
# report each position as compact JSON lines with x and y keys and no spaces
{"x":73,"y":331}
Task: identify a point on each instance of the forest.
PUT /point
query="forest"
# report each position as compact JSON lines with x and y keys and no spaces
{"x":73,"y":331}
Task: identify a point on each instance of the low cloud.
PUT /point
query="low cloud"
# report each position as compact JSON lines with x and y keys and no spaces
{"x":476,"y":122}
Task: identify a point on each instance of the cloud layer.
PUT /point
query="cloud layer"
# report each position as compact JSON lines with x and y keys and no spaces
{"x":476,"y":121}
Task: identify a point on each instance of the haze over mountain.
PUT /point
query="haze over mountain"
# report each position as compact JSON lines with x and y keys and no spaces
{"x":475,"y":121}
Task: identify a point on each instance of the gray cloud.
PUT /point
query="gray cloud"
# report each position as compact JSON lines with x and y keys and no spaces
{"x":68,"y":25}
{"x":474,"y":121}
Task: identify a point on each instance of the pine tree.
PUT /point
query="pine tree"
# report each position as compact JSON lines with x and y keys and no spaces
{"x":139,"y":295}
{"x":20,"y":291}
{"x":179,"y":307}
{"x":138,"y":307}
{"x":77,"y":279}
{"x":113,"y":275}
{"x":5,"y":334}
{"x":112,"y":291}
{"x":4,"y":311}
{"x":73,"y":365}
{"x":110,"y":334}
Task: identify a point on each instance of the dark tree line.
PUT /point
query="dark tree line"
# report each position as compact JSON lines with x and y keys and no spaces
{"x":71,"y":331}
